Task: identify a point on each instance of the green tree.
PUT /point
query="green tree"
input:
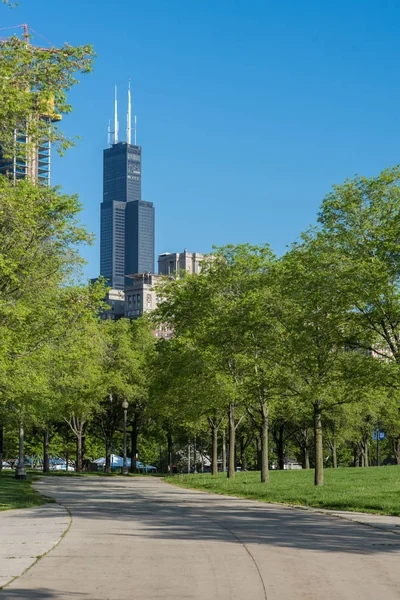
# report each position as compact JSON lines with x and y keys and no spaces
{"x":217,"y":314}
{"x":77,"y":380}
{"x":314,"y":315}
{"x":34,"y":83}
{"x":361,"y":223}
{"x":39,"y":231}
{"x":125,"y":375}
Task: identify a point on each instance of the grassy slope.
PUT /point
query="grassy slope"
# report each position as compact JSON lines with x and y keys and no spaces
{"x":18,"y":494}
{"x":373,"y":489}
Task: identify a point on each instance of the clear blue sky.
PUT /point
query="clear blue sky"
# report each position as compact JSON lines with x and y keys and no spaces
{"x":248,"y":112}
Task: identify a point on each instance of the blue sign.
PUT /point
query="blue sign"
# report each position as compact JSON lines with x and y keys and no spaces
{"x":376,"y":432}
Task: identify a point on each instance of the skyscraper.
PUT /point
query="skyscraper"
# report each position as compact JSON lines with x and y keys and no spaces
{"x":127,"y":222}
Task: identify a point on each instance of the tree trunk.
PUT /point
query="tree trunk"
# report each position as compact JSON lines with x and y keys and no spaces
{"x":214,"y":439}
{"x":46,"y":461}
{"x":334,"y":454}
{"x":364,"y":453}
{"x":258,"y":450}
{"x":264,"y":445}
{"x":281,"y":448}
{"x":169,"y":451}
{"x":396,"y":450}
{"x":223,"y":467}
{"x":305,"y":446}
{"x":232,"y":438}
{"x":20,"y":471}
{"x":319,"y":458}
{"x":356,"y":461}
{"x":78,"y":462}
{"x":306,"y":458}
{"x":134,"y":438}
{"x":108,"y":456}
{"x":1,"y":446}
{"x":194,"y":456}
{"x":243,"y":446}
{"x":83,"y":452}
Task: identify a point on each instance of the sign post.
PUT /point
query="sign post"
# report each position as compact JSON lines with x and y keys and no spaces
{"x":378,"y":435}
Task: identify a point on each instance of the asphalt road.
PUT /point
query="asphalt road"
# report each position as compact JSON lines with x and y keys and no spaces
{"x":142,"y":539}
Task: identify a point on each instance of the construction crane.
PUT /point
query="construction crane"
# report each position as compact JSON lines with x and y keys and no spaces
{"x":26,"y":35}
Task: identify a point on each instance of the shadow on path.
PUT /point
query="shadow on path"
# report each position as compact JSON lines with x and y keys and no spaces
{"x":170,"y":513}
{"x":40,"y":594}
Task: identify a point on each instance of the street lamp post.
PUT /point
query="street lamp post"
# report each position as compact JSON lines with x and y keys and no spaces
{"x":20,"y":471}
{"x":124,"y":465}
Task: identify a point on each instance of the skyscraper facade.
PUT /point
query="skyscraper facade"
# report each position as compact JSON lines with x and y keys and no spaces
{"x":139,"y":226}
{"x":127,"y":222}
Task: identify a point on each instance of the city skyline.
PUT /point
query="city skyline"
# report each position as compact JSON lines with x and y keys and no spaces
{"x":248,"y":115}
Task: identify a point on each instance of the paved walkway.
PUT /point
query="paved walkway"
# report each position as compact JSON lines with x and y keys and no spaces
{"x":27,"y":534}
{"x":142,"y":539}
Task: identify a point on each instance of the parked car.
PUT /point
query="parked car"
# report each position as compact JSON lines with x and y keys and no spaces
{"x":59,"y":464}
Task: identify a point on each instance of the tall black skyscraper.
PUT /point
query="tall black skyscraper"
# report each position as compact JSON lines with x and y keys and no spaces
{"x":127,"y":222}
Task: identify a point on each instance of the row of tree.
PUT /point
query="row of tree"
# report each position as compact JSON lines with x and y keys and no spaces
{"x":314,"y":333}
{"x":301,"y":351}
{"x":60,"y":365}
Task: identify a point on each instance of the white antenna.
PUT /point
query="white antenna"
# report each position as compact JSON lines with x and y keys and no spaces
{"x":134,"y":129}
{"x":109,"y":134}
{"x":115,"y":117}
{"x":128,"y":115}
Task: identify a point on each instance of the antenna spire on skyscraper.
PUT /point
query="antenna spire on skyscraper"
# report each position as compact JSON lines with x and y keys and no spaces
{"x":128,"y":115}
{"x":115,"y":117}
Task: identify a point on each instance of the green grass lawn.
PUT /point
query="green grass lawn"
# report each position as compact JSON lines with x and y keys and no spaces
{"x":18,"y":494}
{"x":373,"y":489}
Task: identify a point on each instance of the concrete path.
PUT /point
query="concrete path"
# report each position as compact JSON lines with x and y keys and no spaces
{"x":27,"y":534}
{"x":142,"y":539}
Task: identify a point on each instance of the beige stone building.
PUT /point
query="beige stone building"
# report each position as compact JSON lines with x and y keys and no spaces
{"x":173,"y":263}
{"x":140,"y":295}
{"x":116,"y":302}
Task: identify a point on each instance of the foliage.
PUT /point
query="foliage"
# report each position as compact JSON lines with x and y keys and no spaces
{"x":361,"y":223}
{"x":33,"y":89}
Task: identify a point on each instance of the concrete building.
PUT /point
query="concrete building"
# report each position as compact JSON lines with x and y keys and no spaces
{"x":141,"y":298}
{"x":140,"y":295}
{"x":116,"y":301}
{"x":171,"y":264}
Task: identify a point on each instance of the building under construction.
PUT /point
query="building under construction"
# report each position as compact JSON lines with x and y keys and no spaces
{"x":30,"y":160}
{"x":34,"y":163}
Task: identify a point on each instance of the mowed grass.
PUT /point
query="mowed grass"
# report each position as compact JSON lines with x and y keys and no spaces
{"x":373,"y":489}
{"x":18,"y":494}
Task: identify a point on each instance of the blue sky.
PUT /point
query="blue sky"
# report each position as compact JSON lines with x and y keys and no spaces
{"x":248,"y":112}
